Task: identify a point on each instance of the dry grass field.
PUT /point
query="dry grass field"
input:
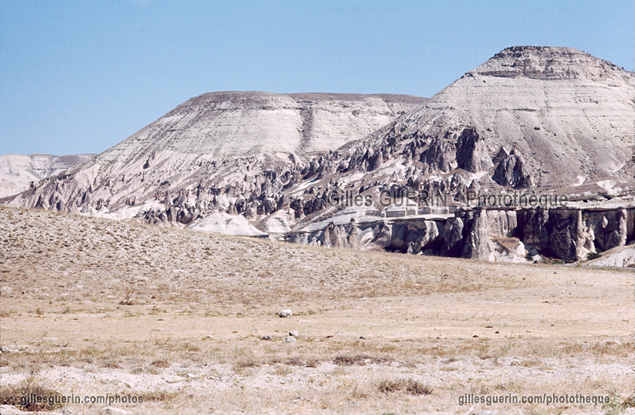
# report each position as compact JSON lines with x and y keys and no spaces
{"x":92,"y":307}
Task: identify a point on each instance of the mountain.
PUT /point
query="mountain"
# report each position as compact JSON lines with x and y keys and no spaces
{"x":316,"y":168}
{"x":548,"y":118}
{"x":217,"y":145}
{"x":555,"y":124}
{"x":569,"y":114}
{"x":17,"y":172}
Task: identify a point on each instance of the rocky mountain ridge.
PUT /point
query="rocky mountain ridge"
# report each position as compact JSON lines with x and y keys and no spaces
{"x":218,"y":146}
{"x":18,"y":172}
{"x":537,"y":120}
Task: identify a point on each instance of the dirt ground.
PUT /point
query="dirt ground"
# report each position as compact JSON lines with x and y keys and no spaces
{"x":175,"y":318}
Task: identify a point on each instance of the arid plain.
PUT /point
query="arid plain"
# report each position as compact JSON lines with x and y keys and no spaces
{"x":94,"y":307}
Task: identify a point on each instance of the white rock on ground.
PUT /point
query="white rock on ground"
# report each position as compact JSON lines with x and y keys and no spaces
{"x":285,"y":313}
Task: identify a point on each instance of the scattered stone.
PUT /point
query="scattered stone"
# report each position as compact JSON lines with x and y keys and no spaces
{"x":489,"y":327}
{"x":208,"y":337}
{"x":362,"y":338}
{"x":497,"y":332}
{"x":285,"y":313}
{"x":266,"y":337}
{"x":294,"y":333}
{"x":486,"y":412}
{"x":4,"y":349}
{"x":290,"y":339}
{"x":475,"y":336}
{"x":111,"y":410}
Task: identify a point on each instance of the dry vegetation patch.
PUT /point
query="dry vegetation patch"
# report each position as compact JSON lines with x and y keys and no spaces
{"x":19,"y":396}
{"x":179,"y":317}
{"x":410,"y":386}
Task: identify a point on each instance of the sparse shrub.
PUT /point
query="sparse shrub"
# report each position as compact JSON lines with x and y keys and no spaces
{"x":111,"y":364}
{"x":295,"y":361}
{"x":160,"y":363}
{"x":344,"y":360}
{"x":529,"y":256}
{"x":242,"y":364}
{"x":351,"y":360}
{"x":127,"y":297}
{"x":16,"y":395}
{"x":191,"y":347}
{"x":410,"y":386}
{"x":159,"y":396}
{"x":414,"y":387}
{"x":629,"y":402}
{"x":614,"y":406}
{"x":283,"y":371}
{"x":593,"y":255}
{"x":388,"y":386}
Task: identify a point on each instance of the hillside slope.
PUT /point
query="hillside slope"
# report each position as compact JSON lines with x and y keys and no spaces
{"x":541,"y":118}
{"x":536,"y":120}
{"x":234,"y":141}
{"x":189,"y":322}
{"x":18,"y":171}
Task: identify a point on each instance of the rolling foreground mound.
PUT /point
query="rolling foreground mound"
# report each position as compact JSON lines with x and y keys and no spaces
{"x":188,"y":322}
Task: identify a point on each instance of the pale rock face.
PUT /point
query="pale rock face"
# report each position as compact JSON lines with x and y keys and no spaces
{"x":560,"y":115}
{"x":542,"y":120}
{"x":241,"y":123}
{"x":560,"y":107}
{"x":17,"y":172}
{"x":621,"y":257}
{"x":219,"y":151}
{"x":538,"y":119}
{"x":227,"y":224}
{"x":532,"y":119}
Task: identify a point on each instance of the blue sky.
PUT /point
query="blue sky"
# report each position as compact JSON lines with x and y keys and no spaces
{"x":82,"y":75}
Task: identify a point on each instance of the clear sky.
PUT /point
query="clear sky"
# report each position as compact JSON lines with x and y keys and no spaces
{"x":82,"y":75}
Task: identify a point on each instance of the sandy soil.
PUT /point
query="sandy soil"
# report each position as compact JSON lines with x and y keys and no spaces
{"x":94,"y":307}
